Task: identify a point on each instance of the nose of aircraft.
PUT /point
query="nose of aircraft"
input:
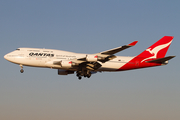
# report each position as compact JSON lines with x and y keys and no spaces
{"x":8,"y":58}
{"x":5,"y":56}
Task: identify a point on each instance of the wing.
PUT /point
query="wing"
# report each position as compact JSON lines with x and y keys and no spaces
{"x":91,"y":61}
{"x":118,"y":49}
{"x":106,"y":55}
{"x":109,"y":54}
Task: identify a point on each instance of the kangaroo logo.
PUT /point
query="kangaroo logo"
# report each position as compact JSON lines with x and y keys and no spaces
{"x":155,"y":51}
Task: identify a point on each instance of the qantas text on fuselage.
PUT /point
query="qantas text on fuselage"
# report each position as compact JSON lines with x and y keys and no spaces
{"x":87,"y":64}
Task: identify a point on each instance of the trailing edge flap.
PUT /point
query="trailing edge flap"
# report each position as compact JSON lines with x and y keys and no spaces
{"x":118,"y":49}
{"x":161,"y":60}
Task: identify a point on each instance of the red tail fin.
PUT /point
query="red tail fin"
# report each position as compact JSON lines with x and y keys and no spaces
{"x":157,"y":50}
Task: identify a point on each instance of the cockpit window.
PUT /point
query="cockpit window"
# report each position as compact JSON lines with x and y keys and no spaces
{"x":17,"y":49}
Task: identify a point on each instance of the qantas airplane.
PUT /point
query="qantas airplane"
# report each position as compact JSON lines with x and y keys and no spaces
{"x":87,"y":64}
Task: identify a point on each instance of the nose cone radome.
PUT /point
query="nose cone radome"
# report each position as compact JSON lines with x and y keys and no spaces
{"x":5,"y":57}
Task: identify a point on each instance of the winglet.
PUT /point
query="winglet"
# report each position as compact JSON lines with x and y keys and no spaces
{"x":133,"y":43}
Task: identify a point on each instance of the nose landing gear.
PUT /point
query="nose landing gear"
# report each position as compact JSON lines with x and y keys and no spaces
{"x":21,"y":68}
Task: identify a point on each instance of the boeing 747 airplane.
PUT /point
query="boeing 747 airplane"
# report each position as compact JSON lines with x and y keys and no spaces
{"x":86,"y":64}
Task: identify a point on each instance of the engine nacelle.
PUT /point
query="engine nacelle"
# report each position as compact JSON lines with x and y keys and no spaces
{"x":66,"y":64}
{"x":92,"y":58}
{"x":64,"y":72}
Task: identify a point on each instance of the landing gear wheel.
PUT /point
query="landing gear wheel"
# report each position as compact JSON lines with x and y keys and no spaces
{"x":21,"y":70}
{"x":79,"y":77}
{"x":89,"y":75}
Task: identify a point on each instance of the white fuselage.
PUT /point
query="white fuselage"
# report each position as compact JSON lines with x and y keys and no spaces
{"x":87,"y":64}
{"x":36,"y":57}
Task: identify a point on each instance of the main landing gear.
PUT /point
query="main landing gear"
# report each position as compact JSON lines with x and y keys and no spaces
{"x":21,"y":68}
{"x":85,"y":73}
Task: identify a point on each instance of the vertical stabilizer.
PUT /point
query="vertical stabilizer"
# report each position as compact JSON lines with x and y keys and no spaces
{"x":157,"y":50}
{"x":154,"y":53}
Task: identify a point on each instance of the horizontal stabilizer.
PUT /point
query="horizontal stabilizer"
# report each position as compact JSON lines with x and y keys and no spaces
{"x":161,"y":60}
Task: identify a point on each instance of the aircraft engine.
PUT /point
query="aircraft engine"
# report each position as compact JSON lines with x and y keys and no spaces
{"x":92,"y":58}
{"x":64,"y":72}
{"x":66,"y":64}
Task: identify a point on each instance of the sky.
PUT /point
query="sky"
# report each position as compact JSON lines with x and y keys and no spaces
{"x":85,"y":26}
